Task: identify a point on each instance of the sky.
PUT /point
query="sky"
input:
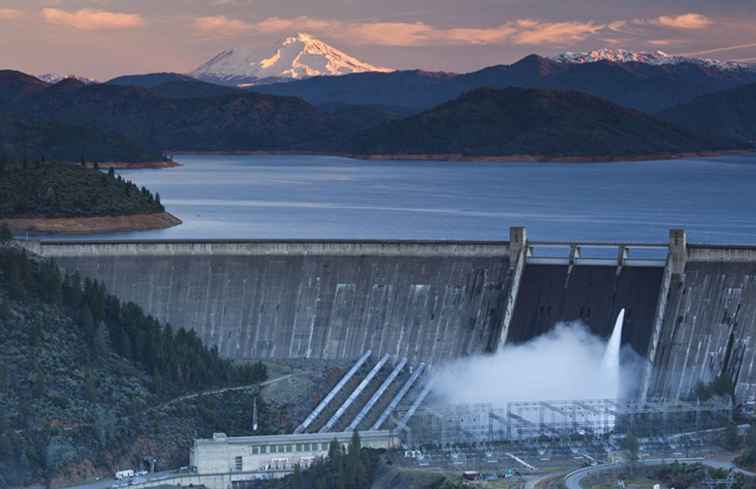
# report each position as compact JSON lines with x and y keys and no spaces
{"x":105,"y":38}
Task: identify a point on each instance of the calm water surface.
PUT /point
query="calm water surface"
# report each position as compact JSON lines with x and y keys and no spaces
{"x":326,"y":197}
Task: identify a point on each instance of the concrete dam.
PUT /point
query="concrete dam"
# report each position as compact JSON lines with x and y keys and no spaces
{"x":690,"y":309}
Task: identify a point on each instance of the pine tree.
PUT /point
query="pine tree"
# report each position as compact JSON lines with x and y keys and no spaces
{"x":6,"y":236}
{"x":100,"y":341}
{"x":5,"y":310}
{"x":297,"y":478}
{"x":730,"y":438}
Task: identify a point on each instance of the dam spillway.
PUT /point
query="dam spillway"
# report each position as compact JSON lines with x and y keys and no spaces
{"x":691,"y":310}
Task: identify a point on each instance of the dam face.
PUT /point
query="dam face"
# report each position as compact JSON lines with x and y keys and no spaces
{"x":709,"y":324}
{"x":691,"y":313}
{"x":422,"y":301}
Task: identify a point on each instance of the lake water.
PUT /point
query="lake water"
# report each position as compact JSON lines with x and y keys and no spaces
{"x":314,"y":197}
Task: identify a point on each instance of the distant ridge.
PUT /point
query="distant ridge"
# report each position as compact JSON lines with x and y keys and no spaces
{"x":518,"y":122}
{"x":57,"y":77}
{"x":729,"y":114}
{"x":656,"y":58}
{"x":650,"y":87}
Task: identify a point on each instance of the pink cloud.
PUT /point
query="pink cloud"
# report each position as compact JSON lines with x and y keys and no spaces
{"x":422,"y":34}
{"x":663,"y":42}
{"x":686,"y":21}
{"x":92,"y":20}
{"x":388,"y":33}
{"x":221,"y":25}
{"x":9,"y":14}
{"x":288,"y":25}
{"x":532,"y":32}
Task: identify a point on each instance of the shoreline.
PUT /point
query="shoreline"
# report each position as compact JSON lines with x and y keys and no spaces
{"x":91,"y":225}
{"x":122,"y":165}
{"x":502,"y":158}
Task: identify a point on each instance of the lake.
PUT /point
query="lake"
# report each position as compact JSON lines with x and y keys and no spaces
{"x":320,"y":197}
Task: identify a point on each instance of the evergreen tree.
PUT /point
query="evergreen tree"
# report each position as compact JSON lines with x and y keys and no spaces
{"x":631,"y":447}
{"x":298,"y":482}
{"x":6,"y":236}
{"x":730,"y":438}
{"x":5,"y":310}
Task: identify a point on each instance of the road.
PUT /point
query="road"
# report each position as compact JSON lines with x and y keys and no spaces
{"x":108,"y":482}
{"x":573,"y":479}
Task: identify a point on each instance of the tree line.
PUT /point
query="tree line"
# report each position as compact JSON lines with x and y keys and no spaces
{"x":42,"y":189}
{"x":175,"y":358}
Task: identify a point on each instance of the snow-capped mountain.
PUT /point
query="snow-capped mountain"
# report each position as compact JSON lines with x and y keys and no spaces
{"x":651,"y":58}
{"x":56,"y":77}
{"x":300,"y":56}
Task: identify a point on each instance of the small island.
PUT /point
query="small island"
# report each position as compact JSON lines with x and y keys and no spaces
{"x":41,"y":197}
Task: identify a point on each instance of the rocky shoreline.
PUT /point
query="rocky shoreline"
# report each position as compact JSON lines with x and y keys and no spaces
{"x":89,"y":225}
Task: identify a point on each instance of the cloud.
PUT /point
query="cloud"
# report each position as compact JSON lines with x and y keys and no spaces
{"x":92,"y":20}
{"x":690,"y":21}
{"x":721,"y":50}
{"x":274,"y":25}
{"x":9,"y":14}
{"x":422,"y":34}
{"x":536,"y":33}
{"x":221,"y":25}
{"x":663,"y":42}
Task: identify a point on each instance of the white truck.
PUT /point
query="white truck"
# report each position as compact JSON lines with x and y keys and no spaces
{"x":124,"y":474}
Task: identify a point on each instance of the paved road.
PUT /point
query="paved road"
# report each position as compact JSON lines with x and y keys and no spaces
{"x":573,"y":479}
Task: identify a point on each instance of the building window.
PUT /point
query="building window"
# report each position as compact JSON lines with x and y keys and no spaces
{"x":255,"y":450}
{"x":238,"y":464}
{"x":288,"y":448}
{"x":299,"y":447}
{"x":324,"y":446}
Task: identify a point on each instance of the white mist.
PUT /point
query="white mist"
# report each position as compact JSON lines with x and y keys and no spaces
{"x":567,"y":363}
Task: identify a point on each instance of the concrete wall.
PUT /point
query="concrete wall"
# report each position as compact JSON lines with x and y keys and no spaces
{"x":257,"y":299}
{"x":431,"y":301}
{"x":709,"y":324}
{"x":593,"y":294}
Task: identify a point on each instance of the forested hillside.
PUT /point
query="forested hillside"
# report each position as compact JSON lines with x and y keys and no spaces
{"x":35,"y":189}
{"x":517,"y":122}
{"x":83,"y":376}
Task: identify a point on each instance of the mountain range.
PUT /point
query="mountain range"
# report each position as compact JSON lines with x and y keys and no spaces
{"x":139,"y":117}
{"x":641,"y":85}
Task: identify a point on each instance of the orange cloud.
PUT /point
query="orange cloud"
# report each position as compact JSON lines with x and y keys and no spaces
{"x":421,"y":34}
{"x":388,"y":33}
{"x":9,"y":14}
{"x":92,"y":20}
{"x":304,"y":24}
{"x":686,"y":21}
{"x":535,"y":33}
{"x":221,"y":25}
